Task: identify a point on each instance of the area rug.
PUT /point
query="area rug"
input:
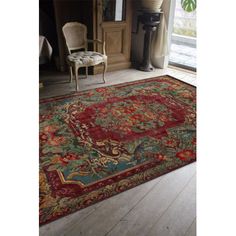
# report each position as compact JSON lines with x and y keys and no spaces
{"x":97,"y":143}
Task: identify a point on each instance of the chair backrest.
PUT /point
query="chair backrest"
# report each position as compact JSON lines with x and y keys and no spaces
{"x":75,"y":35}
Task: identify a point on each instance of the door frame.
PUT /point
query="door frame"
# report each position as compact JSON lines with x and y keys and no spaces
{"x":117,"y":61}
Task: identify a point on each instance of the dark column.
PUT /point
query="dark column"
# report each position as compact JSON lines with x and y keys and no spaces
{"x":150,"y":22}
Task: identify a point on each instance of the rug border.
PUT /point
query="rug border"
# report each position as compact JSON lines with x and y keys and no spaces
{"x":74,"y":94}
{"x":100,"y":200}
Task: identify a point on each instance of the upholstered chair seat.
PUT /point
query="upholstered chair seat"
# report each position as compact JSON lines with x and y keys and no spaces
{"x":88,"y":58}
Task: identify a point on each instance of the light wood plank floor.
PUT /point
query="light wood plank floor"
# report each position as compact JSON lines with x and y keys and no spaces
{"x":165,"y":206}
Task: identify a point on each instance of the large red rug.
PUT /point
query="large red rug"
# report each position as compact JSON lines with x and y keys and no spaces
{"x":97,"y":143}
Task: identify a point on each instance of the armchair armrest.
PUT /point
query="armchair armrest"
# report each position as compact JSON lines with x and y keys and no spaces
{"x":98,"y":41}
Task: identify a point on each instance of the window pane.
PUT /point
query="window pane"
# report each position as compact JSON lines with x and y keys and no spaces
{"x":113,"y":10}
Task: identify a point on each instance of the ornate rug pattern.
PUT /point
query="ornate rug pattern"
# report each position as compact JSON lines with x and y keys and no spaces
{"x":97,"y":143}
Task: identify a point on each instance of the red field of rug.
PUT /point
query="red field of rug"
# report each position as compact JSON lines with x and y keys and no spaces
{"x":97,"y":143}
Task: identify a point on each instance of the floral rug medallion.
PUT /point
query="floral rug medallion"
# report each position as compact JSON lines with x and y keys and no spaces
{"x":98,"y":143}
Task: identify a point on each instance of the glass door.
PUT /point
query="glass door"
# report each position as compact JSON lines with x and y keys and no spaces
{"x":183,"y":40}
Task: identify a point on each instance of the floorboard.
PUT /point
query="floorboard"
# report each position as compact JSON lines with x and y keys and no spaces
{"x":192,"y":229}
{"x":58,"y":227}
{"x":140,"y":220}
{"x":111,"y":211}
{"x":180,"y":214}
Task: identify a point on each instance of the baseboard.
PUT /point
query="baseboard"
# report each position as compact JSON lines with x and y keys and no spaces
{"x":112,"y":67}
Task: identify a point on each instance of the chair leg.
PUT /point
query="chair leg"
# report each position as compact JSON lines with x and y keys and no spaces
{"x":86,"y":68}
{"x":76,"y":77}
{"x":104,"y":71}
{"x":71,"y":74}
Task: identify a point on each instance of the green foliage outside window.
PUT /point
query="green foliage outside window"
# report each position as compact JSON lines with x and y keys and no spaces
{"x":189,"y":5}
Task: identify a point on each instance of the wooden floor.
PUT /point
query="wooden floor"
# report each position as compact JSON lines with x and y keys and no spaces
{"x":165,"y":206}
